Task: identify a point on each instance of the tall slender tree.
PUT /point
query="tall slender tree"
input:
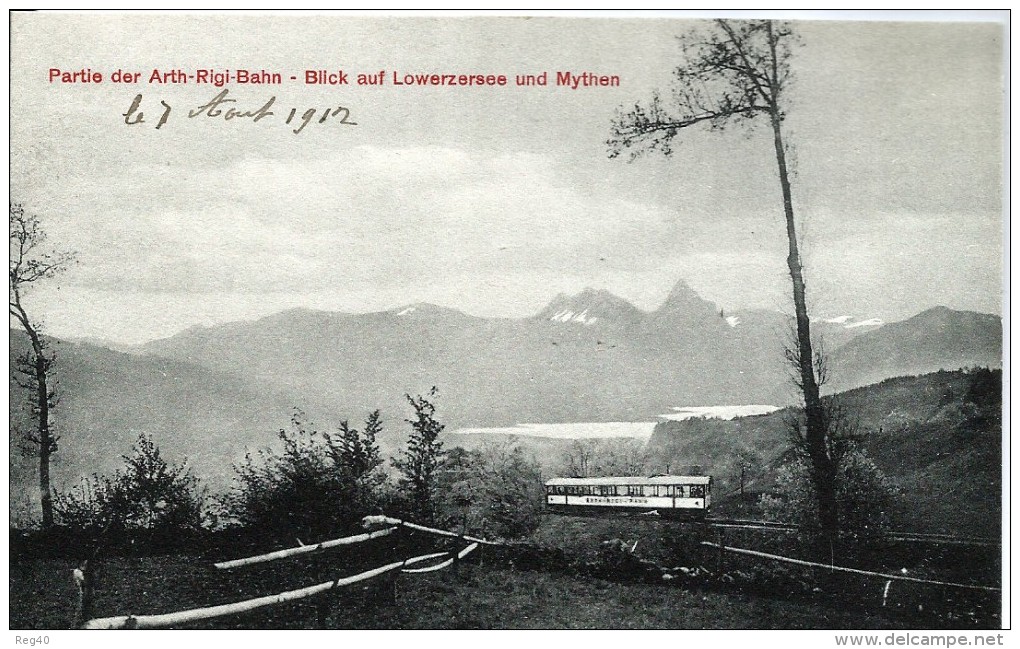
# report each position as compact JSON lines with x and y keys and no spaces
{"x":419,"y":467}
{"x":29,"y":264}
{"x":737,"y":71}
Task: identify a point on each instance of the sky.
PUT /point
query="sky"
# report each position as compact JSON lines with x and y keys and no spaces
{"x":493,"y":200}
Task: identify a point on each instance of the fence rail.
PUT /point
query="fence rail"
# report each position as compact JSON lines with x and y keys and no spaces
{"x":907,"y":537}
{"x":194,"y":615}
{"x":164,"y":620}
{"x":866,"y":573}
{"x":449,"y":562}
{"x":386,"y":520}
{"x":305,"y":549}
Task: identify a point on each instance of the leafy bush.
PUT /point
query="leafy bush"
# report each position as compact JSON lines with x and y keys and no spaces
{"x":148,"y":494}
{"x":496,"y":491}
{"x":984,"y":388}
{"x":319,"y":485}
{"x":864,"y":496}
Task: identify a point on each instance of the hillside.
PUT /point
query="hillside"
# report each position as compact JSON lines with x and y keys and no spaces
{"x":108,"y":398}
{"x":937,"y":436}
{"x":933,"y":340}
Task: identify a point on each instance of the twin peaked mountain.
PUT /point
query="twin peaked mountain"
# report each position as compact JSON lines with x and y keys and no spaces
{"x":587,"y":357}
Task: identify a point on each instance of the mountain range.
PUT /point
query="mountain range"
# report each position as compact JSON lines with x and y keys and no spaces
{"x":212,"y":393}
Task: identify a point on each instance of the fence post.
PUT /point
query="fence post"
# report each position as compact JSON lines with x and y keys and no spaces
{"x":83,"y":579}
{"x":455,"y":568}
{"x":321,"y":611}
{"x":391,"y":590}
{"x":720,"y":538}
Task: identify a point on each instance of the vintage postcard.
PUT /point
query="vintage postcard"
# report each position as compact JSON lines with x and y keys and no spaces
{"x":608,"y":321}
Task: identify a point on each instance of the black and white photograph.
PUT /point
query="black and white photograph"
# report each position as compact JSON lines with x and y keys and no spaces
{"x":497,"y":321}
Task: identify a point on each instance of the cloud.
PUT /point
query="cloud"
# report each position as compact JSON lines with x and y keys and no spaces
{"x":360,"y":215}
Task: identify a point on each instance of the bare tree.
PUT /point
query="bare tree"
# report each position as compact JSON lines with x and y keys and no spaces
{"x":746,"y":462}
{"x":622,"y":456}
{"x":587,"y":458}
{"x":578,"y":458}
{"x":30,"y":264}
{"x":735,"y":73}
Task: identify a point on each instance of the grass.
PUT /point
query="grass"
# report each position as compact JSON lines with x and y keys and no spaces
{"x":480,"y":597}
{"x":562,"y":592}
{"x":506,"y":599}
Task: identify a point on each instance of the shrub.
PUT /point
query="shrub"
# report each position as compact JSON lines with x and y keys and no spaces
{"x":319,"y":485}
{"x":148,"y":494}
{"x":863,"y":493}
{"x":496,"y":491}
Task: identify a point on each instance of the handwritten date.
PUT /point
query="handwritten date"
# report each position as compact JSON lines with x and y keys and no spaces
{"x":223,"y":107}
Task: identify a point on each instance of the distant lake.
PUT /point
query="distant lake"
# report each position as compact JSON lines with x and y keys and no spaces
{"x":603,"y":430}
{"x":718,"y":412}
{"x":580,"y":430}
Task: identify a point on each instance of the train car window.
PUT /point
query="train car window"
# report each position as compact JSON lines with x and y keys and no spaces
{"x":697,"y":491}
{"x":635,"y":490}
{"x":681,"y":491}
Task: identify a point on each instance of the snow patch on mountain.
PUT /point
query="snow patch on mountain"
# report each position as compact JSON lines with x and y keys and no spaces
{"x":870,"y":322}
{"x":848,"y":322}
{"x":843,"y":319}
{"x":569,"y":316}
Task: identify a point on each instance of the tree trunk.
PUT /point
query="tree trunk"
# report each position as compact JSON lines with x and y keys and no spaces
{"x":45,"y":440}
{"x":822,"y":470}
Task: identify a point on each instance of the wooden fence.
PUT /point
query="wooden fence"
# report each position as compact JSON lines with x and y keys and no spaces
{"x":178,"y":618}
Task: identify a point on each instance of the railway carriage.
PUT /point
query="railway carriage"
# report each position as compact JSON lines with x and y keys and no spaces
{"x":671,"y":496}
